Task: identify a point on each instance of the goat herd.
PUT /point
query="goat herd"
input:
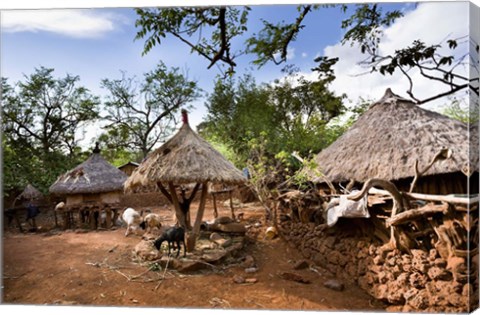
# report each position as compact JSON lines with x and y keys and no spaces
{"x":174,"y":235}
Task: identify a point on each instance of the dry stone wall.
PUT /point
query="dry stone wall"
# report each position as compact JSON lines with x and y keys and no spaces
{"x":419,"y":281}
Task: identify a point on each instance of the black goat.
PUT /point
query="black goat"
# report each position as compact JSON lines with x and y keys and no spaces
{"x":172,"y":235}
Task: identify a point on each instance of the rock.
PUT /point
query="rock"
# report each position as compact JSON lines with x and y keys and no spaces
{"x":440,"y":262}
{"x":251,"y":270}
{"x":251,"y":280}
{"x":417,"y":280}
{"x":302,"y":264}
{"x":419,"y":301}
{"x":436,"y":273}
{"x":223,"y":220}
{"x":293,"y":277}
{"x":188,"y":265}
{"x":334,"y":285}
{"x":381,"y":292}
{"x":215,"y":237}
{"x":467,"y":290}
{"x":333,"y":257}
{"x":214,"y":257}
{"x":238,"y":279}
{"x":378,"y":260}
{"x":248,"y":262}
{"x":146,"y":251}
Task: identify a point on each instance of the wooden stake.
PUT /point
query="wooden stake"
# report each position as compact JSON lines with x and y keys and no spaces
{"x":198,"y":220}
{"x":178,"y":211}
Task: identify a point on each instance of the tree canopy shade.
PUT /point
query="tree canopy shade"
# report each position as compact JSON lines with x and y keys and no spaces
{"x":142,"y":114}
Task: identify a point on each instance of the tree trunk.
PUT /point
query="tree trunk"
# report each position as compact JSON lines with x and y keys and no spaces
{"x":192,"y":237}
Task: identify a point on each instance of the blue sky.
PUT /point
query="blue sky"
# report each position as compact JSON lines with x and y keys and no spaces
{"x":98,"y":43}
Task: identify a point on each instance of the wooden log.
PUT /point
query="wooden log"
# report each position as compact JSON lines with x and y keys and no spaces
{"x":426,"y":197}
{"x":410,"y":215}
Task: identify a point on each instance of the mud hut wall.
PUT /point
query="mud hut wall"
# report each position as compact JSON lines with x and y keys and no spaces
{"x":74,"y":199}
{"x":111,"y":197}
{"x":420,"y":281}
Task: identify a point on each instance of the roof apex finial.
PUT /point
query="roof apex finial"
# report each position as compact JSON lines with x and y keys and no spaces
{"x":97,"y":148}
{"x":185,"y":116}
{"x":388,"y":93}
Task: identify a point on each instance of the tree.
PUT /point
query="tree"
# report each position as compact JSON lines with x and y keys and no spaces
{"x":290,"y":115}
{"x":142,"y":114}
{"x":48,"y":111}
{"x":363,"y":28}
{"x":41,"y":117}
{"x":457,"y":109}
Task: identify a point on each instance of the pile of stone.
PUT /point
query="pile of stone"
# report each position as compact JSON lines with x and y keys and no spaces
{"x":415,"y":281}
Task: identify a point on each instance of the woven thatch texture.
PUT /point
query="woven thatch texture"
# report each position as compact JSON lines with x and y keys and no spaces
{"x":30,"y":193}
{"x":95,"y":175}
{"x":185,"y":158}
{"x":388,"y":138}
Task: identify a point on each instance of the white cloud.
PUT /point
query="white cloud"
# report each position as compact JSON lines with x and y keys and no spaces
{"x":429,"y":22}
{"x":84,"y":23}
{"x":304,"y":55}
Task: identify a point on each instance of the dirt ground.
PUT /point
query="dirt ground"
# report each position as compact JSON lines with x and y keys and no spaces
{"x":97,"y":268}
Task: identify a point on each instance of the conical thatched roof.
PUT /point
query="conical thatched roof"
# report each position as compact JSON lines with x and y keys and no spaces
{"x":185,"y":158}
{"x":30,"y":193}
{"x":95,"y":175}
{"x":388,"y":138}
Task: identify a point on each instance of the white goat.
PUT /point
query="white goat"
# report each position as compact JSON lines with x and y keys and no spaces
{"x":132,"y":218}
{"x":151,"y":221}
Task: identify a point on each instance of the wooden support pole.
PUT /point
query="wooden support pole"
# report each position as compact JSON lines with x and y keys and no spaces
{"x":93,"y":222}
{"x":108,"y":223}
{"x":215,"y":211}
{"x":176,"y":204}
{"x":231,"y":204}
{"x":192,"y":239}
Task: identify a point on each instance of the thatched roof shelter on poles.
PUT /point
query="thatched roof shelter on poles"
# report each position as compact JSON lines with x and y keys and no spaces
{"x":185,"y":159}
{"x":394,"y":135}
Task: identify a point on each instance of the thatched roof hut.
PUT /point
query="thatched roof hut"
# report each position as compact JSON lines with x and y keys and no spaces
{"x":393,"y":135}
{"x":128,"y":167}
{"x":30,"y":193}
{"x":95,"y":185}
{"x":185,"y":159}
{"x":93,"y":176}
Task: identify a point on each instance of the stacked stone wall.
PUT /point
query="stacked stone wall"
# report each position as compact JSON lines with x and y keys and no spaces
{"x":417,"y":281}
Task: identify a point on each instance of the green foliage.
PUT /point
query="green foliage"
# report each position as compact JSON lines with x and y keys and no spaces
{"x":141,"y":115}
{"x":290,"y":115}
{"x":40,"y":120}
{"x":222,"y":24}
{"x":462,"y":112}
